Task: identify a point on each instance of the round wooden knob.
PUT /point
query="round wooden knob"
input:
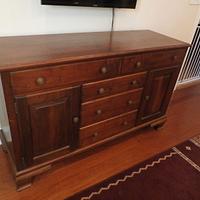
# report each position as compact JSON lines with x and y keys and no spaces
{"x":95,"y":134}
{"x":40,"y":81}
{"x":98,"y":112}
{"x":125,"y":123}
{"x":101,"y":91}
{"x":147,"y":98}
{"x":134,"y":83}
{"x":175,"y":58}
{"x":138,"y":64}
{"x":130,"y":102}
{"x":104,"y":70}
{"x":76,"y":120}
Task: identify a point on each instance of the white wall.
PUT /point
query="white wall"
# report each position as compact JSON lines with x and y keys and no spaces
{"x":175,"y":18}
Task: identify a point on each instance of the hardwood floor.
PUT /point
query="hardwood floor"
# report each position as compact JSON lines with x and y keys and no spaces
{"x":183,"y":123}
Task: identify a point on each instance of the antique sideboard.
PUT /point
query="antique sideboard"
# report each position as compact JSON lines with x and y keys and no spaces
{"x":64,"y":94}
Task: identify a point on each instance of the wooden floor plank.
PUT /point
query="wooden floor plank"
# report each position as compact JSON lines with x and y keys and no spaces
{"x":183,"y":123}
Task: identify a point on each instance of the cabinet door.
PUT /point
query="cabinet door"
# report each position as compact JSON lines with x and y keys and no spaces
{"x":157,"y":94}
{"x":49,"y":123}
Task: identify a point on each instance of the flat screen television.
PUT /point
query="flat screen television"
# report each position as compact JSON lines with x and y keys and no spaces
{"x":93,"y":3}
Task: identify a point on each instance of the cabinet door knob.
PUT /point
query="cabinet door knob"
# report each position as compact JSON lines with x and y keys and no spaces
{"x":95,"y":134}
{"x":40,"y":81}
{"x":76,"y":120}
{"x":125,"y":123}
{"x":147,"y":98}
{"x":101,"y":91}
{"x":104,"y":70}
{"x":130,"y":102}
{"x":99,"y":112}
{"x":175,"y":58}
{"x":138,"y":64}
{"x":134,"y":83}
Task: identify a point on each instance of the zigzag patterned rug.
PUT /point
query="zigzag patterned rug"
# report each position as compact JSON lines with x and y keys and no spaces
{"x":171,"y":175}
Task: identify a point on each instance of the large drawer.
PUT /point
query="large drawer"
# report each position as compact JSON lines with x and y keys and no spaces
{"x":51,"y":77}
{"x":146,"y":61}
{"x":94,"y":133}
{"x":101,"y":109}
{"x":112,"y":86}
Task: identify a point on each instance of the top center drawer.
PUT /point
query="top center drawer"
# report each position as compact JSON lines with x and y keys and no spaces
{"x":50,"y":77}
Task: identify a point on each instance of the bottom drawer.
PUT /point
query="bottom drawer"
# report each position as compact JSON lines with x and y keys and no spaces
{"x":102,"y":130}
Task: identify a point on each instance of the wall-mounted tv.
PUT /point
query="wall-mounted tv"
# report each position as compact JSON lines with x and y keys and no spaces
{"x":93,"y":3}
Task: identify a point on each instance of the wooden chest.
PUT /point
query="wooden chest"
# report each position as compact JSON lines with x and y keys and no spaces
{"x":65,"y":94}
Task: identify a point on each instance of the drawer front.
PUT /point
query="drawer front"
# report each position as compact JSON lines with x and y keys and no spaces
{"x":98,"y":110}
{"x":131,"y":64}
{"x":112,"y":86}
{"x":164,"y":58}
{"x":65,"y":75}
{"x":97,"y":132}
{"x":151,"y":60}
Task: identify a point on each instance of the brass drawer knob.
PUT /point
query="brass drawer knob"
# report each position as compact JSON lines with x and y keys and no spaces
{"x":147,"y":98}
{"x":125,"y":123}
{"x":138,"y":64}
{"x":76,"y":120}
{"x":99,"y":112}
{"x":40,"y":81}
{"x":101,"y":91}
{"x":95,"y":134}
{"x":175,"y":58}
{"x":130,"y":102}
{"x":134,"y":83}
{"x":104,"y":70}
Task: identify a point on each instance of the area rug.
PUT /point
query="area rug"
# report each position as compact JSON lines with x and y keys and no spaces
{"x":171,"y":175}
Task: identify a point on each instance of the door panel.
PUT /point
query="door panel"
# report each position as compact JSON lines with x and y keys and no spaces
{"x":46,"y":122}
{"x":157,"y":93}
{"x":49,"y":126}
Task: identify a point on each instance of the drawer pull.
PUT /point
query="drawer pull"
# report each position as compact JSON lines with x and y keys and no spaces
{"x":130,"y":102}
{"x":76,"y":120}
{"x":40,"y":81}
{"x":125,"y":123}
{"x":147,"y":98}
{"x":175,"y":58}
{"x":95,"y":134}
{"x":134,"y":83}
{"x":101,"y":91}
{"x":104,"y":70}
{"x":138,"y":64}
{"x":99,"y":112}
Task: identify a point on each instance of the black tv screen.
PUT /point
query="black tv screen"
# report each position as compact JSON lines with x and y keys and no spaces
{"x":93,"y":3}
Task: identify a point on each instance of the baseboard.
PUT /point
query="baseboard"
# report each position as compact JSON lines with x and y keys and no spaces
{"x":187,"y":84}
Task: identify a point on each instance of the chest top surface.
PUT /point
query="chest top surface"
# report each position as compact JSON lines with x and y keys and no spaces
{"x":28,"y":51}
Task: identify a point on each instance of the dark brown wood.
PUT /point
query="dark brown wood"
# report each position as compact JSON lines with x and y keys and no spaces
{"x":16,"y":146}
{"x":157,"y":93}
{"x":112,"y":86}
{"x":101,"y":109}
{"x":60,"y":48}
{"x":46,"y":122}
{"x":113,"y":159}
{"x":94,"y":133}
{"x":57,"y":85}
{"x":147,"y":61}
{"x":62,"y":76}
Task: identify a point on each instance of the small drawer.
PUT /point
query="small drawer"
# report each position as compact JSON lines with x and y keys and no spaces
{"x":133,"y":63}
{"x":98,"y":110}
{"x":69,"y":74}
{"x":92,"y":134}
{"x":147,"y":61}
{"x":112,"y":86}
{"x":164,"y":58}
